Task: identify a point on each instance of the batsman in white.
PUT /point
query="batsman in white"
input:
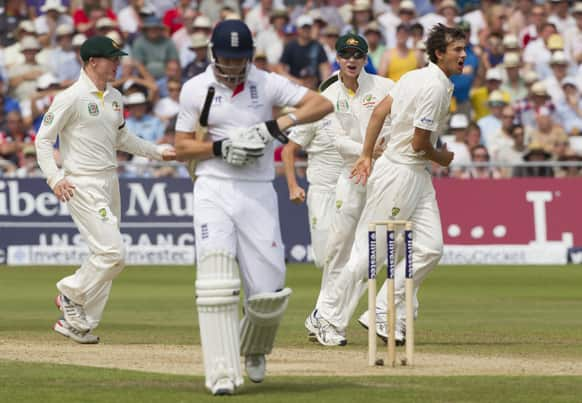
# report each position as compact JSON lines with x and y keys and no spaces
{"x":354,"y":93}
{"x":236,"y":219}
{"x":88,"y":119}
{"x":400,"y":187}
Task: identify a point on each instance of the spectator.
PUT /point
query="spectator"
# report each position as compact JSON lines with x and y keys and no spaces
{"x":23,"y":76}
{"x":514,"y":84}
{"x":479,"y":155}
{"x":125,"y":169}
{"x":513,"y":155}
{"x":201,"y":25}
{"x":304,"y":53}
{"x":271,"y":40}
{"x":29,"y":167}
{"x":538,"y":51}
{"x":181,"y":36}
{"x":55,"y":14}
{"x":65,"y":63}
{"x":213,"y":8}
{"x":569,"y":109}
{"x":570,"y":171}
{"x":7,"y":104}
{"x":198,"y":45}
{"x":13,"y":14}
{"x":329,"y":38}
{"x":153,"y":48}
{"x":105,"y":25}
{"x":13,"y":54}
{"x":86,"y":17}
{"x":496,"y":18}
{"x":34,"y":108}
{"x":535,"y":153}
{"x":140,"y":121}
{"x":519,"y":17}
{"x":14,"y":137}
{"x":401,"y":59}
{"x":464,"y":81}
{"x":260,"y":60}
{"x":477,"y":19}
{"x":168,"y":107}
{"x":258,"y":18}
{"x":502,"y":139}
{"x":553,"y":83}
{"x":546,"y":132}
{"x":376,"y":49}
{"x":511,"y":44}
{"x":131,"y":19}
{"x":560,"y":16}
{"x":361,"y":16}
{"x":459,"y":125}
{"x":480,"y":96}
{"x":574,"y":36}
{"x":135,"y":77}
{"x":493,"y":51}
{"x":174,"y":17}
{"x":429,"y":20}
{"x":491,"y":123}
{"x":473,"y":135}
{"x":538,"y":17}
{"x":527,"y":110}
{"x":406,"y":15}
{"x":319,"y":24}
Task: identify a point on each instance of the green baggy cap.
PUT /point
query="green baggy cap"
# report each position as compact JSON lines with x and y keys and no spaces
{"x":351,"y":41}
{"x":100,"y":46}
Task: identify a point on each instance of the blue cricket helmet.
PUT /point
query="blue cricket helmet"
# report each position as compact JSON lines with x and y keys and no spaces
{"x":232,"y":39}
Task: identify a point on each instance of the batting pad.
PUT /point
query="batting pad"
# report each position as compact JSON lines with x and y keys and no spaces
{"x":258,"y":328}
{"x":217,"y":298}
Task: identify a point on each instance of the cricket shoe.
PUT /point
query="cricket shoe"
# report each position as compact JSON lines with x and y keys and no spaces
{"x":255,"y":366}
{"x":223,"y":387}
{"x":382,"y":328}
{"x":312,"y":324}
{"x":65,"y":329}
{"x":74,"y":313}
{"x":328,"y":335}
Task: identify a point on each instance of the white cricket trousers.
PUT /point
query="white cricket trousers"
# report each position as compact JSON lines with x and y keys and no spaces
{"x":349,"y":202}
{"x":241,"y":218}
{"x":391,"y":187}
{"x":96,"y":210}
{"x":320,"y":210}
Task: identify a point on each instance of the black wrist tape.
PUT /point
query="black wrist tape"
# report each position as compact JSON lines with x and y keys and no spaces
{"x":274,"y":130}
{"x":217,"y":148}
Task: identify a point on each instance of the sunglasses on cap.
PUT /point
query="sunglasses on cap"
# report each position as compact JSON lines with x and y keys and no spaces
{"x":349,"y":53}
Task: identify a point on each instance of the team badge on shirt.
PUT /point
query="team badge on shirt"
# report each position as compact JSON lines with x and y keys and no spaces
{"x":395,"y":211}
{"x":369,"y":100}
{"x":93,"y":109}
{"x":338,"y":204}
{"x":116,"y":106}
{"x":48,"y":118}
{"x":103,"y":213}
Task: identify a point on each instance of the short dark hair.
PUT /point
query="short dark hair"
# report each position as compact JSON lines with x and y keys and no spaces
{"x":440,"y":37}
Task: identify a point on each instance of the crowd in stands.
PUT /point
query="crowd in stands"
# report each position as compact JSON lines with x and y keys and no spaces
{"x":518,"y":98}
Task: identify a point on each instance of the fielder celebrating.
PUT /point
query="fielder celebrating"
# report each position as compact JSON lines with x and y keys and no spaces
{"x":354,"y":93}
{"x":401,"y":185}
{"x":235,"y":206}
{"x":88,"y":120}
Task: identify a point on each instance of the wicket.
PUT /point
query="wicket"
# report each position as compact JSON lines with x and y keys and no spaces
{"x":409,"y":285}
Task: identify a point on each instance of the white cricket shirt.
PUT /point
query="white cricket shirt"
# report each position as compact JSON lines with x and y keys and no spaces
{"x":90,"y":128}
{"x":248,"y":105}
{"x":421,"y":99}
{"x":323,"y":160}
{"x":353,"y":111}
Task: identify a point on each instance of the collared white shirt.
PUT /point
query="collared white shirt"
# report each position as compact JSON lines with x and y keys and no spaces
{"x":232,"y":111}
{"x":323,"y":161}
{"x":421,"y":99}
{"x":353,"y":111}
{"x":90,"y":128}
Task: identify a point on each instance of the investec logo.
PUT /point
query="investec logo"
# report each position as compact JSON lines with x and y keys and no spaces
{"x":157,"y":202}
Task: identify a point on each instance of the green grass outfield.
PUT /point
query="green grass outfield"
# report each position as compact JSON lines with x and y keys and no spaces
{"x":533,"y":312}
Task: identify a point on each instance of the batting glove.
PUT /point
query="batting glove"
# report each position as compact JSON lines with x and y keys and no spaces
{"x":236,"y":153}
{"x":265,"y":132}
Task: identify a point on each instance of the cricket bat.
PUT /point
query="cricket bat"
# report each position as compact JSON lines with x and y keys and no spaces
{"x":202,"y":128}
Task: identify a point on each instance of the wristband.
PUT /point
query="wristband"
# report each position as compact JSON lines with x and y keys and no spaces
{"x":217,"y":148}
{"x":293,"y":118}
{"x":274,"y":131}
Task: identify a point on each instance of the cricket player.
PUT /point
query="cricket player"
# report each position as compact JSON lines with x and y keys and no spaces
{"x":354,"y":93}
{"x":323,"y":168}
{"x":88,"y":120}
{"x":400,"y":187}
{"x":236,"y":221}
